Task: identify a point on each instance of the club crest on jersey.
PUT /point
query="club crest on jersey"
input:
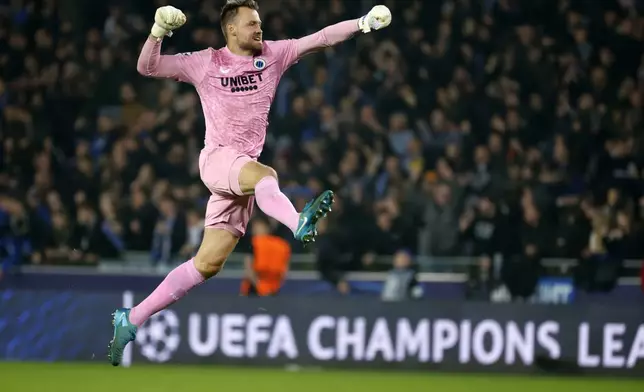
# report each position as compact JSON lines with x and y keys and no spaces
{"x":259,"y":63}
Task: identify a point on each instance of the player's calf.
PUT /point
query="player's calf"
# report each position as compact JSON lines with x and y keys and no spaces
{"x":275,"y":204}
{"x":261,"y":181}
{"x":209,"y":264}
{"x":215,"y":248}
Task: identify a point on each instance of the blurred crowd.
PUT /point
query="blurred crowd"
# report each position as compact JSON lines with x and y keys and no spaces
{"x":467,"y":128}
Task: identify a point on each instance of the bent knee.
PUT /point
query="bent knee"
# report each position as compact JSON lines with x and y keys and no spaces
{"x":209,"y":265}
{"x":252,"y":173}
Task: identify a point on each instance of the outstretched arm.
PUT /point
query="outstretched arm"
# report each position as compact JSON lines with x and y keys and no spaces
{"x":328,"y":36}
{"x":186,"y":67}
{"x":292,"y":50}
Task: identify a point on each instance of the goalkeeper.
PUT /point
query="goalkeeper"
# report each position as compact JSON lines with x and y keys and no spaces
{"x":236,"y":85}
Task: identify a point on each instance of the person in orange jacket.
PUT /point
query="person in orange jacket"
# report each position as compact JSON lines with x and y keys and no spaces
{"x":266,"y":270}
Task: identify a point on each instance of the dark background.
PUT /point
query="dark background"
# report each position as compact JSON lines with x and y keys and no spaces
{"x":466,"y":128}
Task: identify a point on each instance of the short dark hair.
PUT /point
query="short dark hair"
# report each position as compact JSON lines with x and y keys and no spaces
{"x":229,"y":11}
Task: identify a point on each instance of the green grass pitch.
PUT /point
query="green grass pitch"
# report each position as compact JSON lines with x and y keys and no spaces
{"x":67,"y":377}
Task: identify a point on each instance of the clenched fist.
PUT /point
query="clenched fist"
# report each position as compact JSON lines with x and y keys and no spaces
{"x":166,"y":19}
{"x":376,"y":19}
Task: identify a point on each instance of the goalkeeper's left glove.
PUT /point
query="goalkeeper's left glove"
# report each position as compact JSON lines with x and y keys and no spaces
{"x":376,"y":19}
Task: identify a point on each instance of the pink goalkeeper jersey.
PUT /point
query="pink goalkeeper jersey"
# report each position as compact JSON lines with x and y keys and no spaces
{"x":237,"y":91}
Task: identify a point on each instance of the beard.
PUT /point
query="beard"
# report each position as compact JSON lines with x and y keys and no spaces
{"x":252,"y":45}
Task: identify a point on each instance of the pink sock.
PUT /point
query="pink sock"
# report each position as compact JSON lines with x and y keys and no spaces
{"x":275,"y":204}
{"x":178,"y":282}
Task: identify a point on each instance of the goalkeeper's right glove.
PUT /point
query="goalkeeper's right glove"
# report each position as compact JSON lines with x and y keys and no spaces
{"x":166,"y":19}
{"x":378,"y":18}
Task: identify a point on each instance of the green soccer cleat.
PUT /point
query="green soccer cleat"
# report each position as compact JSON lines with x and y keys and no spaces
{"x":313,"y":211}
{"x":124,"y":333}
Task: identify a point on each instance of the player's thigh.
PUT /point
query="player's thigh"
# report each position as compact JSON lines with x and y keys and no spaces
{"x":216,"y":246}
{"x":226,"y":220}
{"x":219,"y":170}
{"x":251,"y":173}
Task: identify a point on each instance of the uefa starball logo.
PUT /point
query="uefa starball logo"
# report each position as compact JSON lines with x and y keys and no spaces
{"x":159,"y":337}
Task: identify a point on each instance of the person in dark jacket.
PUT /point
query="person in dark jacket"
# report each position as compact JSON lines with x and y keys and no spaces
{"x":402,"y":281}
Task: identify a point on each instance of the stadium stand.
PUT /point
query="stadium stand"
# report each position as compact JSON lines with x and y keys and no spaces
{"x":468,"y":128}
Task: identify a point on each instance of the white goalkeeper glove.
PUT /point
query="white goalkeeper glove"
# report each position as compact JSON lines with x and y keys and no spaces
{"x":166,"y":19}
{"x":376,"y":19}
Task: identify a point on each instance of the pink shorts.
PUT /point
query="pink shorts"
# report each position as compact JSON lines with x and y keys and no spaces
{"x":227,"y":208}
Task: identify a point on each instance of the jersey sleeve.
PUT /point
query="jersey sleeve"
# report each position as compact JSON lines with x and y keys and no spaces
{"x":186,"y":67}
{"x":285,"y":51}
{"x":291,"y":50}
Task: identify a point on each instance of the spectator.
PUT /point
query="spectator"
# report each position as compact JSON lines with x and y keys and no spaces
{"x":535,"y":236}
{"x":440,"y":234}
{"x":57,"y":249}
{"x":91,"y":237}
{"x":572,"y":234}
{"x":482,"y":228}
{"x":520,"y":274}
{"x":483,"y":231}
{"x":14,"y":230}
{"x":599,"y":269}
{"x":195,"y":224}
{"x":266,"y":270}
{"x":329,"y":258}
{"x":169,"y":232}
{"x":402,"y":283}
{"x":140,"y":217}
